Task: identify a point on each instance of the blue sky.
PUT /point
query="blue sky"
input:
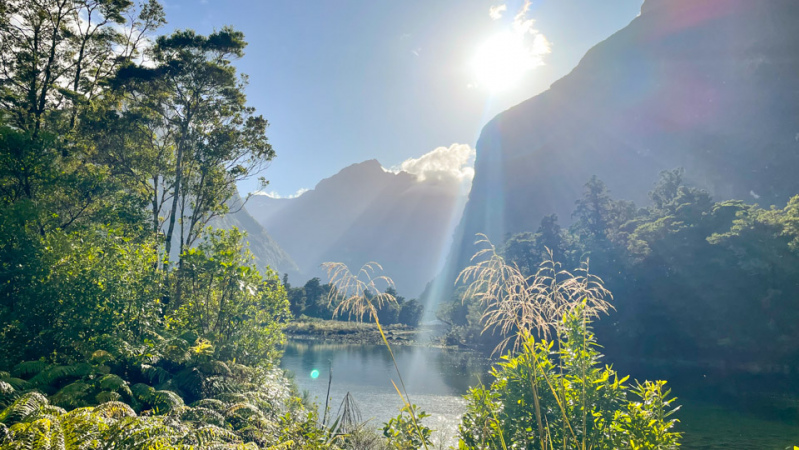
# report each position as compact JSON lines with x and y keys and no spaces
{"x":343,"y":81}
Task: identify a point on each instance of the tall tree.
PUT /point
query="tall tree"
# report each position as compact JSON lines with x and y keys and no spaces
{"x":204,"y":137}
{"x":56,"y":57}
{"x":55,"y":54}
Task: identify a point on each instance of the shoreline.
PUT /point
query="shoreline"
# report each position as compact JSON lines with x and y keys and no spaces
{"x":335,"y":331}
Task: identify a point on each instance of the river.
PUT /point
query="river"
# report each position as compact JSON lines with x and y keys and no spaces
{"x":436,"y":380}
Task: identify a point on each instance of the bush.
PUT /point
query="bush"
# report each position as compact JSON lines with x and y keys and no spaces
{"x":222,"y":297}
{"x":553,"y":393}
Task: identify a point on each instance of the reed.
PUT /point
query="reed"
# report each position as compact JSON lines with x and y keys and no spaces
{"x":360,"y":294}
{"x":551,"y":368}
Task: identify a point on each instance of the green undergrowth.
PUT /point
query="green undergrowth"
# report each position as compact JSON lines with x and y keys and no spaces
{"x":170,"y":394}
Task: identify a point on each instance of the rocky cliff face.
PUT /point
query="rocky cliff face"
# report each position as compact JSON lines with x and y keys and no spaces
{"x":363,"y":214}
{"x":709,"y":85}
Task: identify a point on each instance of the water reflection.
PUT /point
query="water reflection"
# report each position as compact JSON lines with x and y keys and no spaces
{"x":435,"y":378}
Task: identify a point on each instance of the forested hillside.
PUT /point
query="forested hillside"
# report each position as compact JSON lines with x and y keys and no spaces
{"x":124,"y":320}
{"x":703,"y":288}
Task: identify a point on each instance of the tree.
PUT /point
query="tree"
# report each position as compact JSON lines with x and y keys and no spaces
{"x":204,"y":136}
{"x":57,"y":53}
{"x":56,"y":57}
{"x":228,"y":302}
{"x":410,"y":313}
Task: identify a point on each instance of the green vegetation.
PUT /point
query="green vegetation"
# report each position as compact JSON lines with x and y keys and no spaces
{"x":319,"y":301}
{"x":124,"y":321}
{"x":553,"y":393}
{"x":700,"y":282}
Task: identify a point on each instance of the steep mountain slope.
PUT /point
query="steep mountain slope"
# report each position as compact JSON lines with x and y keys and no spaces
{"x":266,"y":251}
{"x":362,"y":214}
{"x":709,"y":85}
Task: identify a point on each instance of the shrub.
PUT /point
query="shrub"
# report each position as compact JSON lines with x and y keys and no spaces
{"x":550,"y":390}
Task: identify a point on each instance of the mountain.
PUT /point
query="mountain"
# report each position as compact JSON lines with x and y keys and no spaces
{"x":708,"y":85}
{"x":365,"y":213}
{"x":266,"y":251}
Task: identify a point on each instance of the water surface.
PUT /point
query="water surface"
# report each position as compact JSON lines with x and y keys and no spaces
{"x":437,"y":379}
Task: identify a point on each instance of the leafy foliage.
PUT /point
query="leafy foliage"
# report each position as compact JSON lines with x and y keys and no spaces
{"x":318,"y":300}
{"x":112,"y":146}
{"x":578,"y":403}
{"x":403,"y":433}
{"x":552,"y":393}
{"x":697,"y":281}
{"x":226,"y":300}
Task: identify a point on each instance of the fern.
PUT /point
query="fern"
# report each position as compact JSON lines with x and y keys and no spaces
{"x":203,"y":415}
{"x":101,"y":357}
{"x":114,"y":410}
{"x":107,"y":396}
{"x":209,"y":434}
{"x":162,"y":401}
{"x":23,"y":408}
{"x":55,"y":373}
{"x":28,"y":368}
{"x":215,"y":368}
{"x":211,"y":403}
{"x":17,"y":383}
{"x":155,"y":375}
{"x":72,"y":395}
{"x":114,"y":383}
{"x":6,"y":389}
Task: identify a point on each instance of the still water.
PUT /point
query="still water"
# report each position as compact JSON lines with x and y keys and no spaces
{"x":436,"y":380}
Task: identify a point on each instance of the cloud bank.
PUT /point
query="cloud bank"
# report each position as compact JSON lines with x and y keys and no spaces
{"x":453,"y":163}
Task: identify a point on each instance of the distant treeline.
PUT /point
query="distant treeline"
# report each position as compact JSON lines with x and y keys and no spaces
{"x":695,"y":281}
{"x":314,"y":300}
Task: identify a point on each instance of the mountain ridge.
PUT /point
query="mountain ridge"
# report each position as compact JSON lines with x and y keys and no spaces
{"x":365,"y":213}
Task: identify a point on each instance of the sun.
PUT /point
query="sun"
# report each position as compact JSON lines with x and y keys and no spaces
{"x":501,"y":62}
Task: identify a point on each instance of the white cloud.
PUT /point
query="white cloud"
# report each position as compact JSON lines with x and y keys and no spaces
{"x":496,"y":11}
{"x":538,"y":45}
{"x":275,"y":194}
{"x":453,"y":163}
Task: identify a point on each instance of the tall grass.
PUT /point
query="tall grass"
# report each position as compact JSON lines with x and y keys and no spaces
{"x":361,"y":294}
{"x":552,"y":363}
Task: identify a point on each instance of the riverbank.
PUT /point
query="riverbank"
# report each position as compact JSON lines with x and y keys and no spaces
{"x":337,"y":331}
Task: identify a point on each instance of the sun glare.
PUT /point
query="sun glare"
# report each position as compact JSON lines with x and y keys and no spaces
{"x":501,"y":62}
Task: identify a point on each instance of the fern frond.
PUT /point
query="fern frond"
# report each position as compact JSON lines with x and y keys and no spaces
{"x":215,"y":368}
{"x":162,"y":401}
{"x":55,"y":373}
{"x":28,"y":368}
{"x":71,"y":395}
{"x":154,"y":374}
{"x":107,"y":396}
{"x":114,"y":410}
{"x":211,"y":403}
{"x":209,"y":434}
{"x":6,"y":389}
{"x":203,"y":415}
{"x":23,"y":408}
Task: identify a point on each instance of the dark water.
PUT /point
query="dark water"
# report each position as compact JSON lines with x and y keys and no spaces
{"x":436,"y":380}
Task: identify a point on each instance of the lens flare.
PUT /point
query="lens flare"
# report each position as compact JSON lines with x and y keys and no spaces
{"x":501,"y":62}
{"x":314,"y":374}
